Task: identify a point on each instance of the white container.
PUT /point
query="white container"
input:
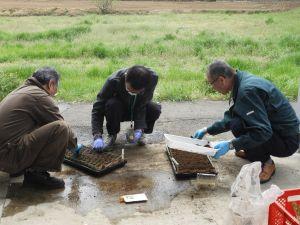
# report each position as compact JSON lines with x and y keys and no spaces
{"x":189,"y":144}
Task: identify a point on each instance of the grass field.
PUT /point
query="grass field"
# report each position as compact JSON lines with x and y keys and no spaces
{"x":87,"y":49}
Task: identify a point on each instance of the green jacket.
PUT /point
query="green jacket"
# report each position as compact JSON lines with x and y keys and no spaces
{"x":262,"y":108}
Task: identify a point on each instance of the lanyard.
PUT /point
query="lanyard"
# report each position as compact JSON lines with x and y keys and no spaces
{"x":131,"y":111}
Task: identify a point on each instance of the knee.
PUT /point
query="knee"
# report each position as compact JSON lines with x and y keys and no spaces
{"x":62,"y":124}
{"x":155,"y":110}
{"x":292,"y":145}
{"x":113,"y":104}
{"x":61,"y":127}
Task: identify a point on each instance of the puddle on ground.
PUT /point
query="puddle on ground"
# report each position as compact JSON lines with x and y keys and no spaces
{"x":85,"y":193}
{"x":125,"y":184}
{"x":18,"y":198}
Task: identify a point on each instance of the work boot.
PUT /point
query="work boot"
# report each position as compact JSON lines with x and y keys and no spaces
{"x":267,"y":171}
{"x":142,"y":140}
{"x":110,"y":140}
{"x":16,"y":174}
{"x":42,"y":179}
{"x":241,"y":154}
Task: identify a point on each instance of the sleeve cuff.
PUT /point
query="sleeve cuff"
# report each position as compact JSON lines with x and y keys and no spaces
{"x":236,"y":144}
{"x":98,"y":135}
{"x":210,"y":130}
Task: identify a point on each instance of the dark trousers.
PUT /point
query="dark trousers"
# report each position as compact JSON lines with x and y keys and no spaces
{"x":42,"y":149}
{"x":116,"y":112}
{"x":277,"y":145}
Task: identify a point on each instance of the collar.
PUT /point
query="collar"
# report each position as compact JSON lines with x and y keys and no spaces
{"x":32,"y":81}
{"x":237,"y":80}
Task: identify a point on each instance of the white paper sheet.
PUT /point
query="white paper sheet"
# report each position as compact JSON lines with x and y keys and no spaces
{"x":189,"y":144}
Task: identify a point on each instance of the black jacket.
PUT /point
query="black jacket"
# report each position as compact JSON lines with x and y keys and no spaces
{"x":115,"y":87}
{"x":262,"y":107}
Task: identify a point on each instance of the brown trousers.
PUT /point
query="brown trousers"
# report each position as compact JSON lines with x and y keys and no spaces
{"x":42,"y":149}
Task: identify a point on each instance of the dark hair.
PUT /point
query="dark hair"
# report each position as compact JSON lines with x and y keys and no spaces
{"x":45,"y":74}
{"x":138,"y":77}
{"x":220,"y":68}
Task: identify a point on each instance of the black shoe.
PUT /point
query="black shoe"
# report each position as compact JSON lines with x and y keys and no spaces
{"x":42,"y":180}
{"x":110,"y":140}
{"x":16,"y":174}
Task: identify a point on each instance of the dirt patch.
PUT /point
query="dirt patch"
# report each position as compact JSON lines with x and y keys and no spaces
{"x":81,"y":7}
{"x":190,"y":163}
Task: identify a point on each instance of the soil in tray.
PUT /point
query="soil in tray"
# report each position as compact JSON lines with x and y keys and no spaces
{"x":95,"y":160}
{"x":189,"y":163}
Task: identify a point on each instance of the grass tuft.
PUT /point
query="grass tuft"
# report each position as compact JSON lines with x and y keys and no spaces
{"x":68,"y":34}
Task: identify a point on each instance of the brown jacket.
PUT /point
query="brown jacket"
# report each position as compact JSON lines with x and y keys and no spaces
{"x":24,"y":110}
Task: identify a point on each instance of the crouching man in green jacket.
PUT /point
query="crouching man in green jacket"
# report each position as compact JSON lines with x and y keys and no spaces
{"x":261,"y":118}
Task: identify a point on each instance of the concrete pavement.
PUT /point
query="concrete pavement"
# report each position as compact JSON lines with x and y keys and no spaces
{"x":91,"y":200}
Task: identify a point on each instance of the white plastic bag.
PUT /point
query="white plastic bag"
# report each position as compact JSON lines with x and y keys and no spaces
{"x":248,"y":205}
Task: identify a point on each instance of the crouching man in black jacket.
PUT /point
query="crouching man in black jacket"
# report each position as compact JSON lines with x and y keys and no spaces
{"x":125,"y":96}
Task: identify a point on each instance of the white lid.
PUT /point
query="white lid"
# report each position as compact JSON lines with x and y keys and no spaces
{"x":189,"y":144}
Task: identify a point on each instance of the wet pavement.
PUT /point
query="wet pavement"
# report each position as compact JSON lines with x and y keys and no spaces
{"x":147,"y":171}
{"x":88,"y":200}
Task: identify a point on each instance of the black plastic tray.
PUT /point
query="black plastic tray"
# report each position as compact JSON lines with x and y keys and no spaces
{"x":90,"y":169}
{"x":185,"y":176}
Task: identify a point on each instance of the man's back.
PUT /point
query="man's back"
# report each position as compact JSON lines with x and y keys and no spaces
{"x":24,"y":110}
{"x":279,"y":111}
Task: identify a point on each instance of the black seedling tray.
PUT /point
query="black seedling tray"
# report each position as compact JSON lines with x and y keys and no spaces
{"x":185,"y":176}
{"x":87,"y":161}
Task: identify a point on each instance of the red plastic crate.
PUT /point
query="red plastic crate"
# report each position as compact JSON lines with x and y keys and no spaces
{"x":281,"y":211}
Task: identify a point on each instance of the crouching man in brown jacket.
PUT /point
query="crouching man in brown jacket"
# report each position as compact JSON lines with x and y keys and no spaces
{"x":33,"y":134}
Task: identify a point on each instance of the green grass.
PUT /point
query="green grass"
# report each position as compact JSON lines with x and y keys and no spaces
{"x":87,"y":49}
{"x":68,"y":34}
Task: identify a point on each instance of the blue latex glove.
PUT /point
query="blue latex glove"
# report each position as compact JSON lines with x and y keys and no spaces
{"x":98,"y":144}
{"x":222,"y":148}
{"x":78,"y":148}
{"x":137,"y":135}
{"x":200,"y":133}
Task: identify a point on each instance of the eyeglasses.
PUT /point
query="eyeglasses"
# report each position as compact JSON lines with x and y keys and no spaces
{"x":212,"y":82}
